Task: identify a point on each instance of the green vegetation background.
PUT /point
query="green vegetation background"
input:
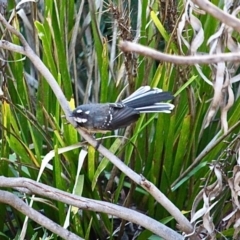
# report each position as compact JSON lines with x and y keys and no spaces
{"x":160,"y":146}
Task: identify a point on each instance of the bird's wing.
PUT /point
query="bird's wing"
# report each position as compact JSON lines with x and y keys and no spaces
{"x":123,"y":116}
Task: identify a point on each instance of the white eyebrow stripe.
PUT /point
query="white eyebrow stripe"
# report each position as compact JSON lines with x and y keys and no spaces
{"x":79,"y":110}
{"x":87,"y":112}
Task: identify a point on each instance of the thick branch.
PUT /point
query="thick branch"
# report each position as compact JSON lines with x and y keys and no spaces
{"x":21,"y":206}
{"x":88,"y":204}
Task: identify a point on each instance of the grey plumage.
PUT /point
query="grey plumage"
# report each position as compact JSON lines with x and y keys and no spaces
{"x":111,"y":116}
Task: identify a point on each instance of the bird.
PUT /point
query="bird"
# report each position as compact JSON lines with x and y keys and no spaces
{"x":104,"y":117}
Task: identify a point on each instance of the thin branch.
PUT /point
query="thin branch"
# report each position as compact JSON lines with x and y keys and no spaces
{"x":88,"y":204}
{"x":219,"y":14}
{"x":188,"y":60}
{"x":12,"y":47}
{"x":21,"y":206}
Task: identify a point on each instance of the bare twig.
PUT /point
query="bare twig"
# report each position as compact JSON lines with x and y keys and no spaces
{"x":189,"y":60}
{"x":219,"y":14}
{"x":21,"y":206}
{"x":84,"y":203}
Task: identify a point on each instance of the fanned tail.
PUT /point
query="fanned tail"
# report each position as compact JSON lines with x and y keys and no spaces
{"x":147,"y":100}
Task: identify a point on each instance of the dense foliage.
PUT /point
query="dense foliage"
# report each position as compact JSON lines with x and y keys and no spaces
{"x":78,"y":42}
